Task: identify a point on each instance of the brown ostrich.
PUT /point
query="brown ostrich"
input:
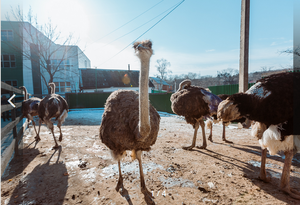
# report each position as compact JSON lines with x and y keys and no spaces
{"x":194,"y":103}
{"x":53,"y":106}
{"x":129,"y":121}
{"x":270,"y":103}
{"x":30,"y":109}
{"x":246,"y":123}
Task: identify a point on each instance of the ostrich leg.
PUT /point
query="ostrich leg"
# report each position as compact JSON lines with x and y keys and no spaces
{"x":37,"y":137}
{"x":285,"y":177}
{"x":50,"y":126}
{"x":210,"y":135}
{"x":223,"y":136}
{"x":263,"y":173}
{"x":194,"y":138}
{"x":143,"y":185}
{"x":60,"y":135}
{"x":204,"y":145}
{"x":120,"y":181}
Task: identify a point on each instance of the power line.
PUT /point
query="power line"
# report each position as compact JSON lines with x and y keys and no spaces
{"x":143,"y":33}
{"x":140,"y":25}
{"x":129,"y":21}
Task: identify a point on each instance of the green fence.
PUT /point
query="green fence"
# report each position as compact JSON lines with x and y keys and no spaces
{"x":161,"y":101}
{"x":227,"y":89}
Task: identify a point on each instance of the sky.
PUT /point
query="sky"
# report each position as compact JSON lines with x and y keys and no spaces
{"x":199,"y":36}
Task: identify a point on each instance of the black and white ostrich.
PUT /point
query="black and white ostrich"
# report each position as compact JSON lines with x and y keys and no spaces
{"x":53,"y":106}
{"x":194,"y":103}
{"x":129,"y":121}
{"x":270,"y":103}
{"x":30,"y":109}
{"x":246,"y":123}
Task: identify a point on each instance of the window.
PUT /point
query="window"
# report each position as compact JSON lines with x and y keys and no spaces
{"x":8,"y":61}
{"x":62,"y":87}
{"x":7,"y":35}
{"x":13,"y":83}
{"x":63,"y":64}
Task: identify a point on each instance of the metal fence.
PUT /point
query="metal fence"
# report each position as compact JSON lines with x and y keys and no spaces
{"x":227,"y":89}
{"x":12,"y":126}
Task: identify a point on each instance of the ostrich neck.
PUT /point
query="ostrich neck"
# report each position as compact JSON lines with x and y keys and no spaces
{"x":144,"y":125}
{"x":25,"y":94}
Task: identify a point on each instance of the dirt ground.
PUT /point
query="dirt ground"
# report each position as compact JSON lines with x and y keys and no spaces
{"x":81,"y":171}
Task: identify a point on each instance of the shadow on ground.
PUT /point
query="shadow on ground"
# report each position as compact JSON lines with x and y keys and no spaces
{"x":46,"y":184}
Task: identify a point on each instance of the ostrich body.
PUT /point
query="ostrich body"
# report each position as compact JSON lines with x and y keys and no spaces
{"x":30,"y":109}
{"x":209,"y":123}
{"x":53,"y":106}
{"x":270,"y":103}
{"x":194,"y":103}
{"x":129,"y":121}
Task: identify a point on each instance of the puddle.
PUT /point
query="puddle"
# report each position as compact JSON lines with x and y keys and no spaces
{"x":179,"y":182}
{"x":129,"y":167}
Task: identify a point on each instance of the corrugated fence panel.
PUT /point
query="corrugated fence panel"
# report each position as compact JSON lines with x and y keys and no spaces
{"x":160,"y":101}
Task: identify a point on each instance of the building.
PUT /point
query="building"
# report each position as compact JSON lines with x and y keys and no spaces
{"x":27,"y":54}
{"x":106,"y":80}
{"x":160,"y":84}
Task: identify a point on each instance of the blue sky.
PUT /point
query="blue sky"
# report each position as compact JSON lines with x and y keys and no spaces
{"x":200,"y":36}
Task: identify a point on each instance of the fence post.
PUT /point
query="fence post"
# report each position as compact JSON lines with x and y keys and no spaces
{"x":13,"y":118}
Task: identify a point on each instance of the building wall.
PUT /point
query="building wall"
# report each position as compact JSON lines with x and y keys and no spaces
{"x":7,"y":47}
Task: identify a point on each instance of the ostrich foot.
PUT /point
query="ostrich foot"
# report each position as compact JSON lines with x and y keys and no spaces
{"x":188,"y":147}
{"x":55,"y":146}
{"x":264,"y":178}
{"x":202,"y":147}
{"x":293,"y":193}
{"x":210,"y":138}
{"x":60,"y":138}
{"x":119,"y":185}
{"x":37,"y":138}
{"x":227,"y":141}
{"x":147,"y":193}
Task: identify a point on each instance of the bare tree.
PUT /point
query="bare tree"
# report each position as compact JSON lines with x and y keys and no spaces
{"x":228,"y":76}
{"x":39,"y":44}
{"x":162,"y":69}
{"x":266,"y":69}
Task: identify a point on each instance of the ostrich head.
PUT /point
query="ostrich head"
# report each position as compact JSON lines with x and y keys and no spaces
{"x":52,"y":87}
{"x":143,"y":49}
{"x":184,"y":83}
{"x":228,"y":111}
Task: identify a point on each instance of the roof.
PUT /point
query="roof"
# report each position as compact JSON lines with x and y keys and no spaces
{"x":107,"y":78}
{"x":159,"y":81}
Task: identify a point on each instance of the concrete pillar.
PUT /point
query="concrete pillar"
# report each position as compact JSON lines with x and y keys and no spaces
{"x":244,"y":46}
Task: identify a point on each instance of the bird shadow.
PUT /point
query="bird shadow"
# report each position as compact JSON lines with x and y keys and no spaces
{"x":45,"y":184}
{"x":252,"y":172}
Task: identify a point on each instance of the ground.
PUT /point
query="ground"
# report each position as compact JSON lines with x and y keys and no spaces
{"x":81,"y":171}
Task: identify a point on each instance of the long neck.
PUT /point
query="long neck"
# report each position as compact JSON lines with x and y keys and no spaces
{"x":52,"y":88}
{"x":25,"y":95}
{"x":144,"y":125}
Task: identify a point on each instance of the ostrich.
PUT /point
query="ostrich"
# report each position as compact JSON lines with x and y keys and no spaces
{"x":53,"y":106}
{"x":129,"y":122}
{"x":209,"y":123}
{"x":270,"y":103}
{"x":30,"y":109}
{"x":194,"y":103}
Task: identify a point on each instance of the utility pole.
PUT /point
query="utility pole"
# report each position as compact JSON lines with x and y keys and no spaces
{"x":244,"y":46}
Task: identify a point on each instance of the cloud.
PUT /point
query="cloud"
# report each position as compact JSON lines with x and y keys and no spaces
{"x":211,"y":50}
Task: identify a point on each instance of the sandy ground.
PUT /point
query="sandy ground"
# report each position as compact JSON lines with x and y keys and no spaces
{"x":81,"y":171}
